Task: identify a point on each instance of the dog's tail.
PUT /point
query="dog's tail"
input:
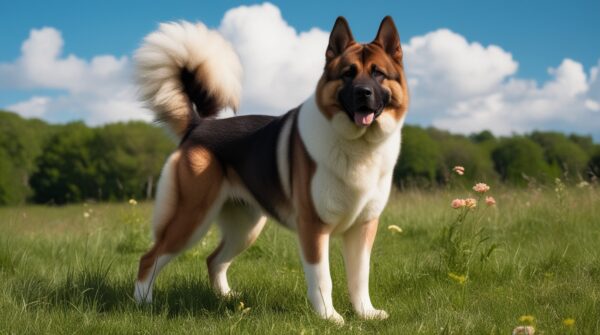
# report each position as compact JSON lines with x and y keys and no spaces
{"x":186,"y":72}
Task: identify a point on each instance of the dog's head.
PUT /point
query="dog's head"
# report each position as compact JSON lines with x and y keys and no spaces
{"x":363,"y":85}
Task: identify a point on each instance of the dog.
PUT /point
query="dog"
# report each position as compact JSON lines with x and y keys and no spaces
{"x":322,"y":169}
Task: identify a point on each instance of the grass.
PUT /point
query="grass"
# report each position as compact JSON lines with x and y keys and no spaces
{"x":61,"y":272}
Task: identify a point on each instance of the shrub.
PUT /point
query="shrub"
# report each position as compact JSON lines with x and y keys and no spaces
{"x":419,"y":159}
{"x":518,"y":157}
{"x":562,"y":154}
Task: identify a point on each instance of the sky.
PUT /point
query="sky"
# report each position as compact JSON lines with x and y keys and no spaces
{"x":507,"y":66}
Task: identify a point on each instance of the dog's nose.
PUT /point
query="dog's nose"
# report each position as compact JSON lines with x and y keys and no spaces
{"x":363,"y":91}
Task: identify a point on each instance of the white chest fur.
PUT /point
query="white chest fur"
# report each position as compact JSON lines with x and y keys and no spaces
{"x":354,"y":165}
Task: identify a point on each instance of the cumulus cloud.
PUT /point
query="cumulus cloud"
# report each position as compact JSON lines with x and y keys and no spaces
{"x":445,"y":65}
{"x":97,"y":91}
{"x":281,"y":65}
{"x":34,"y":107}
{"x":455,"y":83}
{"x":467,"y":87}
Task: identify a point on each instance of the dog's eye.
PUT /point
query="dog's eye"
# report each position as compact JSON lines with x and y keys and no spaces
{"x":377,"y":74}
{"x":349,"y":73}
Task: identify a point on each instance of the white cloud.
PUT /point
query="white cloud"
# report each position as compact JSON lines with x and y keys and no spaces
{"x":96,"y":91}
{"x":455,"y":83}
{"x":466,"y":87}
{"x":281,"y":66}
{"x":439,"y":62}
{"x":34,"y":107}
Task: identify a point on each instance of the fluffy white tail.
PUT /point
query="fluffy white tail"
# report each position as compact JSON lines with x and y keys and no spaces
{"x":186,"y":71}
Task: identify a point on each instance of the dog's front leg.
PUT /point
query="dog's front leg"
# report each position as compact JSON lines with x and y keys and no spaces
{"x":358,"y":241}
{"x":314,"y":245}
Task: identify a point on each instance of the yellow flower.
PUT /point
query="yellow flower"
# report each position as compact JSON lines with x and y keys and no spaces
{"x":461,"y":279}
{"x":394,"y":229}
{"x":242,"y":308}
{"x":569,"y":322}
{"x":527,"y":318}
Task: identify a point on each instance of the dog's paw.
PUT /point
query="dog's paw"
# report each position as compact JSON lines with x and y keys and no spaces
{"x":228,"y":295}
{"x":336,"y":318}
{"x":374,"y":314}
{"x":142,"y":293}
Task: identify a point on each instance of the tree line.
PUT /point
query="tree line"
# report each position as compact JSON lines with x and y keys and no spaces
{"x":57,"y":164}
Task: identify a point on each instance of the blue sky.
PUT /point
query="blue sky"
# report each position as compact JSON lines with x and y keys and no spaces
{"x":537,"y":34}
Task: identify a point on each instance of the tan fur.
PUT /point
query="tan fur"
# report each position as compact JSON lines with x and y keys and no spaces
{"x":201,"y":51}
{"x":199,"y":178}
{"x":311,"y":229}
{"x":374,"y":55}
{"x":339,"y":173}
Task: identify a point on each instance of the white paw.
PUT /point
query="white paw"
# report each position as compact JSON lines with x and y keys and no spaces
{"x":374,"y":314}
{"x":336,"y":318}
{"x":230,"y":294}
{"x":142,"y":293}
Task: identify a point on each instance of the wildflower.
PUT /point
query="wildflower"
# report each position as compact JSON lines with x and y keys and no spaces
{"x":459,"y":170}
{"x":526,"y":318}
{"x":559,"y":186}
{"x":470,"y":203}
{"x":394,"y":229}
{"x":490,"y":201}
{"x":583,"y":184}
{"x":481,"y":188}
{"x":242,"y":308}
{"x":86,"y":215}
{"x":461,"y":279}
{"x":569,"y":322}
{"x":132,"y":202}
{"x":458,"y":203}
{"x":523,"y":330}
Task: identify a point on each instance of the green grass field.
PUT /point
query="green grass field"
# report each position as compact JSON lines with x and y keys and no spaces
{"x":538,"y":257}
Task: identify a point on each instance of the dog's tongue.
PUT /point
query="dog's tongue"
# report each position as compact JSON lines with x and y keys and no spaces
{"x":363,"y":119}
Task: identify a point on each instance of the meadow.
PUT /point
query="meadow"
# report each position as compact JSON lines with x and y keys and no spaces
{"x":532,"y":259}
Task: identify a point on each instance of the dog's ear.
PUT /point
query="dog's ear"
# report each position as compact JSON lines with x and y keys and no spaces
{"x":388,"y":38}
{"x":340,"y":38}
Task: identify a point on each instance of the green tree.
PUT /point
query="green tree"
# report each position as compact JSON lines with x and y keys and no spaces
{"x":66,"y":168}
{"x":129,"y":157}
{"x":585,"y":142}
{"x":483,"y":136}
{"x":562,"y":154}
{"x":459,"y":150}
{"x":594,"y":163}
{"x":7,"y":178}
{"x":419,"y":158}
{"x":20,"y":141}
{"x":518,"y":157}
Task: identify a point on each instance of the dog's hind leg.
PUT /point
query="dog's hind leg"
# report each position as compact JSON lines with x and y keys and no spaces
{"x":240,"y":225}
{"x":184,"y":215}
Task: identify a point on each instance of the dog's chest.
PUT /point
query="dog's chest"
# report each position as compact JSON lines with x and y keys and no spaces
{"x":352,"y":181}
{"x":353,"y":174}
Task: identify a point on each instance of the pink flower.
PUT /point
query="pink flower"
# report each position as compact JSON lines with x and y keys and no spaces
{"x":481,"y":188}
{"x":470,"y":203}
{"x":459,"y":170}
{"x":458,"y":203}
{"x":490,"y":201}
